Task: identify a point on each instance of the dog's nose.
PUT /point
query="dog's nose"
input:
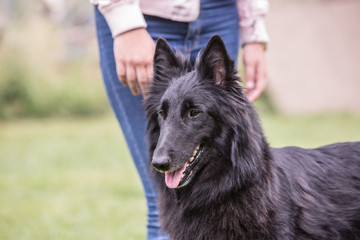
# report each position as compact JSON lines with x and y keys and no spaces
{"x":161,"y":163}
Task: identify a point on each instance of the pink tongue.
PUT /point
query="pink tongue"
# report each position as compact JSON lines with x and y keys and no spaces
{"x":172,"y":179}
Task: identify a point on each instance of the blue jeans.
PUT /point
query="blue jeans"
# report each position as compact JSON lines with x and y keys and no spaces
{"x":216,"y":17}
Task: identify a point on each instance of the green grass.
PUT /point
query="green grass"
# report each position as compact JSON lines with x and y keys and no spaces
{"x":312,"y":130}
{"x":74,"y":179}
{"x":68,"y":179}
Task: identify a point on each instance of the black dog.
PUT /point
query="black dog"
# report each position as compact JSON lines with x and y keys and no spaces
{"x":217,"y":176}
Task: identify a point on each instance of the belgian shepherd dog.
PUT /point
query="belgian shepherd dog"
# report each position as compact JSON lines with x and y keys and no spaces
{"x":218,"y":179}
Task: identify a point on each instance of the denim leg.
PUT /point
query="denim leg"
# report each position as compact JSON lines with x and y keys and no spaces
{"x":174,"y":32}
{"x":216,"y":17}
{"x":130,"y":114}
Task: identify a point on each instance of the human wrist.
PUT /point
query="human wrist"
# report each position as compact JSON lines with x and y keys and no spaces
{"x":122,"y":18}
{"x":262,"y":44}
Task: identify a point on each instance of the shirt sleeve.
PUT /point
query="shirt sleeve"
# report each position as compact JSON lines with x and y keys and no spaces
{"x":252,"y":20}
{"x":121,"y":15}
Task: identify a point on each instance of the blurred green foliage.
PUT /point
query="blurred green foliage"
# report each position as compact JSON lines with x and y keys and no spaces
{"x":25,"y":92}
{"x":48,"y":70}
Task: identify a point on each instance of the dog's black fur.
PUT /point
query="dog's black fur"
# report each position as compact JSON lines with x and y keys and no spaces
{"x":240,"y":188}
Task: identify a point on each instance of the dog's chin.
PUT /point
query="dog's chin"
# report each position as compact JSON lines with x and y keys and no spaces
{"x":183,"y":175}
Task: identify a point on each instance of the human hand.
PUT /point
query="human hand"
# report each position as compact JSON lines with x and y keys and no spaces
{"x":255,"y":70}
{"x":134,"y":51}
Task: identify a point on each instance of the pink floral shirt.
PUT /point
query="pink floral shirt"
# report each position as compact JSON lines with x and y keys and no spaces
{"x":124,"y":15}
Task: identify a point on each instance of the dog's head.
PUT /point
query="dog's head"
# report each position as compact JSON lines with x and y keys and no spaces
{"x":186,"y":108}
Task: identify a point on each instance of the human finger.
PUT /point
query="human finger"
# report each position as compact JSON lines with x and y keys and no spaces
{"x":260,"y":83}
{"x":150,"y":72}
{"x":249,"y":77}
{"x":150,"y":75}
{"x":142,"y":78}
{"x":257,"y":91}
{"x":121,"y":72}
{"x":131,"y":79}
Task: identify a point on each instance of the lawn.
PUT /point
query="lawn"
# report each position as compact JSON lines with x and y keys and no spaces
{"x":74,"y":179}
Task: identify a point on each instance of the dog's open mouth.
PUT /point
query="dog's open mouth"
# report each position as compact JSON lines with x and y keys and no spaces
{"x":183,"y":175}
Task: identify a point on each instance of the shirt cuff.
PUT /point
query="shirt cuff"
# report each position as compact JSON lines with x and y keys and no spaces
{"x":122,"y":18}
{"x":255,"y":33}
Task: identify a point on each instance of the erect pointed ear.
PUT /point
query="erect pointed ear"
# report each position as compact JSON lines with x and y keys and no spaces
{"x":215,"y":62}
{"x":164,"y":59}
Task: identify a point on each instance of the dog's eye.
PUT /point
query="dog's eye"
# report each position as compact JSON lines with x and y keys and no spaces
{"x":194,"y":113}
{"x":161,"y":114}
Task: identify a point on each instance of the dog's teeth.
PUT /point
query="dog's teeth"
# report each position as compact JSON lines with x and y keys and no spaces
{"x":182,"y":175}
{"x":197,"y":148}
{"x":191,"y":159}
{"x":194,"y":153}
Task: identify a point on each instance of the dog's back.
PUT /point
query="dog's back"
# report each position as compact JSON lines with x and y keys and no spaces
{"x":320,"y":189}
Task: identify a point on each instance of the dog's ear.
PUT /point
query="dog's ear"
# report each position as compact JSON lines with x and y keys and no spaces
{"x":164,"y":59}
{"x":215,"y":62}
{"x":247,"y":147}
